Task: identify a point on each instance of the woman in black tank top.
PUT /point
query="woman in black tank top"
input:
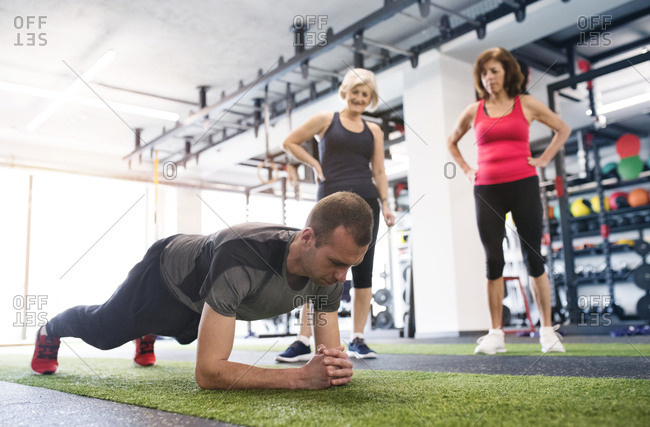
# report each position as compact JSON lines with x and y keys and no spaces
{"x":351,"y":158}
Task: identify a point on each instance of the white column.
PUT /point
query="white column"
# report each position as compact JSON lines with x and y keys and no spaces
{"x":188,"y":211}
{"x":448,"y":260}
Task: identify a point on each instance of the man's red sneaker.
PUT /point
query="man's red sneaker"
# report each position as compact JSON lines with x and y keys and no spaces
{"x":144,"y":355}
{"x":46,"y":350}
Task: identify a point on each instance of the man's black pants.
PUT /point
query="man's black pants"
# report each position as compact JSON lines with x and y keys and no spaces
{"x":141,"y":305}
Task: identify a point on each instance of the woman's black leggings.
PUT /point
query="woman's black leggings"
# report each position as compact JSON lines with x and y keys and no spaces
{"x":362,"y":273}
{"x":493,"y":202}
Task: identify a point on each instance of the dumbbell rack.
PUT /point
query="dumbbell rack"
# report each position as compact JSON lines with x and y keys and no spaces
{"x":603,"y":224}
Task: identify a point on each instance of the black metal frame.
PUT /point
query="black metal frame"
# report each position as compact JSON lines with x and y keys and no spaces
{"x":301,"y":61}
{"x":567,"y":238}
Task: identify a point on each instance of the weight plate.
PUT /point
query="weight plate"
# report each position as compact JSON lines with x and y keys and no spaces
{"x":642,"y":276}
{"x":641,"y":247}
{"x":643,"y":307}
{"x":384,"y":320}
{"x":382,"y":297}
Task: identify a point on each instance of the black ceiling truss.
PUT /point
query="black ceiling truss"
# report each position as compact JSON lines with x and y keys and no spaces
{"x":604,"y":26}
{"x":241,"y":111}
{"x":565,"y":48}
{"x":619,"y":49}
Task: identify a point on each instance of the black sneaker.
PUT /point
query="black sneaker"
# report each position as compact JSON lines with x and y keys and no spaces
{"x":296,"y":352}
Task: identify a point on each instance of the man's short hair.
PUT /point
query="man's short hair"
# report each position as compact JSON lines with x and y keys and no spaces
{"x":342,"y":208}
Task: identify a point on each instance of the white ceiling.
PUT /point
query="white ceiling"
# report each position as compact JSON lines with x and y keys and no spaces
{"x":165,"y":49}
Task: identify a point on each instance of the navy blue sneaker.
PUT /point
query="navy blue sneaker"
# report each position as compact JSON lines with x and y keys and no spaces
{"x":296,"y":352}
{"x":358,"y":348}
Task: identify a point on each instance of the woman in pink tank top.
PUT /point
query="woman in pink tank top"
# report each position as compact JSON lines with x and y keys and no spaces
{"x":506,"y":181}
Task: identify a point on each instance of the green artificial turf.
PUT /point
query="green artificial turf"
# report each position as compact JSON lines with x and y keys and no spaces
{"x":374,"y":398}
{"x":532,"y":349}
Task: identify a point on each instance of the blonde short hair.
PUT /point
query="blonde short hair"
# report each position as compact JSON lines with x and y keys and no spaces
{"x":360,"y":76}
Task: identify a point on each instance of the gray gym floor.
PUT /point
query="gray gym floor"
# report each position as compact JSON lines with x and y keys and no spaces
{"x":24,"y":405}
{"x":33,"y":406}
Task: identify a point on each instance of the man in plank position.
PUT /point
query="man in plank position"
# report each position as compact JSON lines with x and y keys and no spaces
{"x":191,"y":286}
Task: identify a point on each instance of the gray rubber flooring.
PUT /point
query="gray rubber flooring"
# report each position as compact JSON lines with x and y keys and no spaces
{"x":33,"y":406}
{"x":569,"y":366}
{"x":574,"y":366}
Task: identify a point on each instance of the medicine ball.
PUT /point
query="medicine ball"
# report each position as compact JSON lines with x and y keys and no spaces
{"x":638,"y":197}
{"x":630,"y":167}
{"x":580,"y":207}
{"x":609,"y":171}
{"x":618,"y":200}
{"x":595,"y":203}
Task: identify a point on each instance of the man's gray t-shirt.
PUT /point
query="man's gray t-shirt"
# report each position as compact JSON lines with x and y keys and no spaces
{"x":242,"y":272}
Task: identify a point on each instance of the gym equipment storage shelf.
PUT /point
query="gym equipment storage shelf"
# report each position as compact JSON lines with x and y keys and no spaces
{"x":587,"y":186}
{"x":636,"y":217}
{"x":593,"y":250}
{"x":597,"y":134}
{"x":601,"y":225}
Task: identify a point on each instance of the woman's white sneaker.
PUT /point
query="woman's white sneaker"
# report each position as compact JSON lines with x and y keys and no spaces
{"x":550,"y":339}
{"x":492,"y":343}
